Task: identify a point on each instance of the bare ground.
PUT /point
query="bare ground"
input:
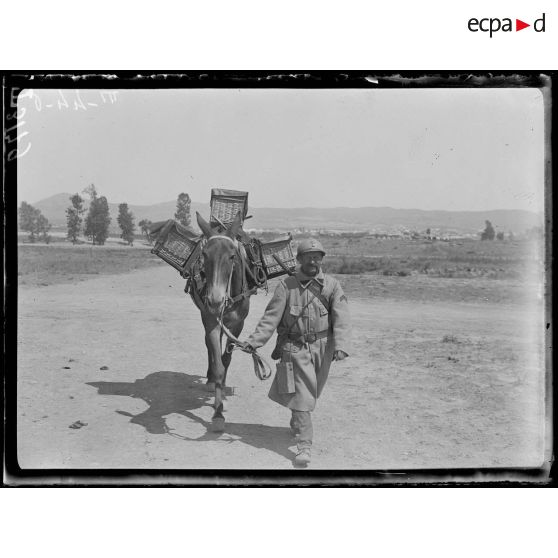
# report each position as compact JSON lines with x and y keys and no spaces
{"x":434,"y":381}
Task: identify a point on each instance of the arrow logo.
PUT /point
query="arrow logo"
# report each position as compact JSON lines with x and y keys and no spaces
{"x":519,"y":25}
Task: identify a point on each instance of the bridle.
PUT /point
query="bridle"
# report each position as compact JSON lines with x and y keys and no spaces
{"x":228,"y":299}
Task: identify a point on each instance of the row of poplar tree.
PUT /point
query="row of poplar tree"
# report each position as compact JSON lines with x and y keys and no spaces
{"x":97,"y":221}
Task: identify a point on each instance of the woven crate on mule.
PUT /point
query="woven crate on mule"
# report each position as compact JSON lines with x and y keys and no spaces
{"x":177,"y":245}
{"x":283,"y":249}
{"x":225,"y":205}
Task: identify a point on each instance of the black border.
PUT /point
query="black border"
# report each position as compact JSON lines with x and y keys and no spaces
{"x":158,"y":79}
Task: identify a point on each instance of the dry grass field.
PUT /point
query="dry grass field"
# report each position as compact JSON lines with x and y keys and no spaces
{"x":466,"y":258}
{"x":43,"y":265}
{"x":456,"y":258}
{"x":447,"y":367}
{"x":412,"y":270}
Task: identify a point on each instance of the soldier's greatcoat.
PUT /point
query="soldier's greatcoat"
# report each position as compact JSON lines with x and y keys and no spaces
{"x":312,"y":359}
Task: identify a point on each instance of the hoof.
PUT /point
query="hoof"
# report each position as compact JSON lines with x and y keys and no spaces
{"x":218,"y":424}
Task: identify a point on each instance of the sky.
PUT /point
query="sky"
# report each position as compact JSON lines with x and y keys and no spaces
{"x":448,"y":149}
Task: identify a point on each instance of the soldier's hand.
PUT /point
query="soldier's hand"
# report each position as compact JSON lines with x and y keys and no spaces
{"x":247,"y":347}
{"x":340,"y":355}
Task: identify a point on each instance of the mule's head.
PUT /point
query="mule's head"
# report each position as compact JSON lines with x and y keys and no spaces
{"x":219,"y":254}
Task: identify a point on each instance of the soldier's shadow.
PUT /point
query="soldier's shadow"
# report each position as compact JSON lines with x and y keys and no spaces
{"x":169,"y":392}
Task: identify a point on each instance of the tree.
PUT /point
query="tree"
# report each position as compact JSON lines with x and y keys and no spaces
{"x":91,"y":191}
{"x":74,"y":217}
{"x":144,"y":226}
{"x":28,"y":219}
{"x":43,"y":226}
{"x":182,"y":214}
{"x":500,"y":236}
{"x":126,"y":223}
{"x":488,"y":233}
{"x":98,"y":218}
{"x":34,"y":222}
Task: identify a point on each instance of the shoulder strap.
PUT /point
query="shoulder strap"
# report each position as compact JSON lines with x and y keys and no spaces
{"x":315,"y":290}
{"x":299,"y":316}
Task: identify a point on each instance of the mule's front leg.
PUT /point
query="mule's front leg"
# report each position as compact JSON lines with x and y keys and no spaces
{"x":210,"y":365}
{"x":218,"y":375}
{"x":236,"y":330}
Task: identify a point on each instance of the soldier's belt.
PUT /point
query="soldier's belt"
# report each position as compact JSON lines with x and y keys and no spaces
{"x":308,"y":337}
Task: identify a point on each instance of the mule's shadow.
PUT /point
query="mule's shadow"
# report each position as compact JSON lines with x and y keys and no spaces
{"x":174,"y":392}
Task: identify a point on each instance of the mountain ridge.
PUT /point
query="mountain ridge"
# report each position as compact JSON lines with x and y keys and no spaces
{"x":374,"y":219}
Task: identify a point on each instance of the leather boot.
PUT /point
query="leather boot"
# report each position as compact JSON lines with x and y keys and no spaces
{"x":303,"y":457}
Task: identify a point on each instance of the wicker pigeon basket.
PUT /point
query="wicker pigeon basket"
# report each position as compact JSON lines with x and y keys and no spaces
{"x":225,"y":205}
{"x":178,"y":246}
{"x":283,"y":249}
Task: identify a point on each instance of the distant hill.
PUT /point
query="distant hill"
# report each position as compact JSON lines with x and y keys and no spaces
{"x":387,"y":219}
{"x":375,"y":219}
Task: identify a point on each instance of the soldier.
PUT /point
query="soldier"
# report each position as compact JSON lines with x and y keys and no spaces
{"x":311,"y":315}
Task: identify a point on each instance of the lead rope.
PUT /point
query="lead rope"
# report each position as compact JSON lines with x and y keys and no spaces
{"x":262,"y":368}
{"x":227,"y":292}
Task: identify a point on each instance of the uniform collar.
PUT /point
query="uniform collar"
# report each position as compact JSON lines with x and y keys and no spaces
{"x":306,"y":279}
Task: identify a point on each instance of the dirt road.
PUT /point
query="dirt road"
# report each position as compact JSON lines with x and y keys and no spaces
{"x":429,"y":384}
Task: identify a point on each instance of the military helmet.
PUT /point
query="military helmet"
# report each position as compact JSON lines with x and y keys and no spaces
{"x":309,"y":245}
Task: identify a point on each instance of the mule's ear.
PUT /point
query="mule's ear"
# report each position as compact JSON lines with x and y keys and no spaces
{"x":204,"y":226}
{"x":236,"y":226}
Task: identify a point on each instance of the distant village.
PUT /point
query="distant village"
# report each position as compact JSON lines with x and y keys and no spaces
{"x":402,"y":233}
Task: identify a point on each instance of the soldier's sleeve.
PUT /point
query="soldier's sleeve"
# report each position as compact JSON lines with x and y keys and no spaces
{"x":271,"y":319}
{"x":341,"y":320}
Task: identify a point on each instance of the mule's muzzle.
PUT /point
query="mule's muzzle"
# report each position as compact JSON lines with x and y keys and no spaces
{"x":215,"y":305}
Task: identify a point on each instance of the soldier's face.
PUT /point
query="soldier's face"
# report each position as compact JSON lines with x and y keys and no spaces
{"x":311,"y":263}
